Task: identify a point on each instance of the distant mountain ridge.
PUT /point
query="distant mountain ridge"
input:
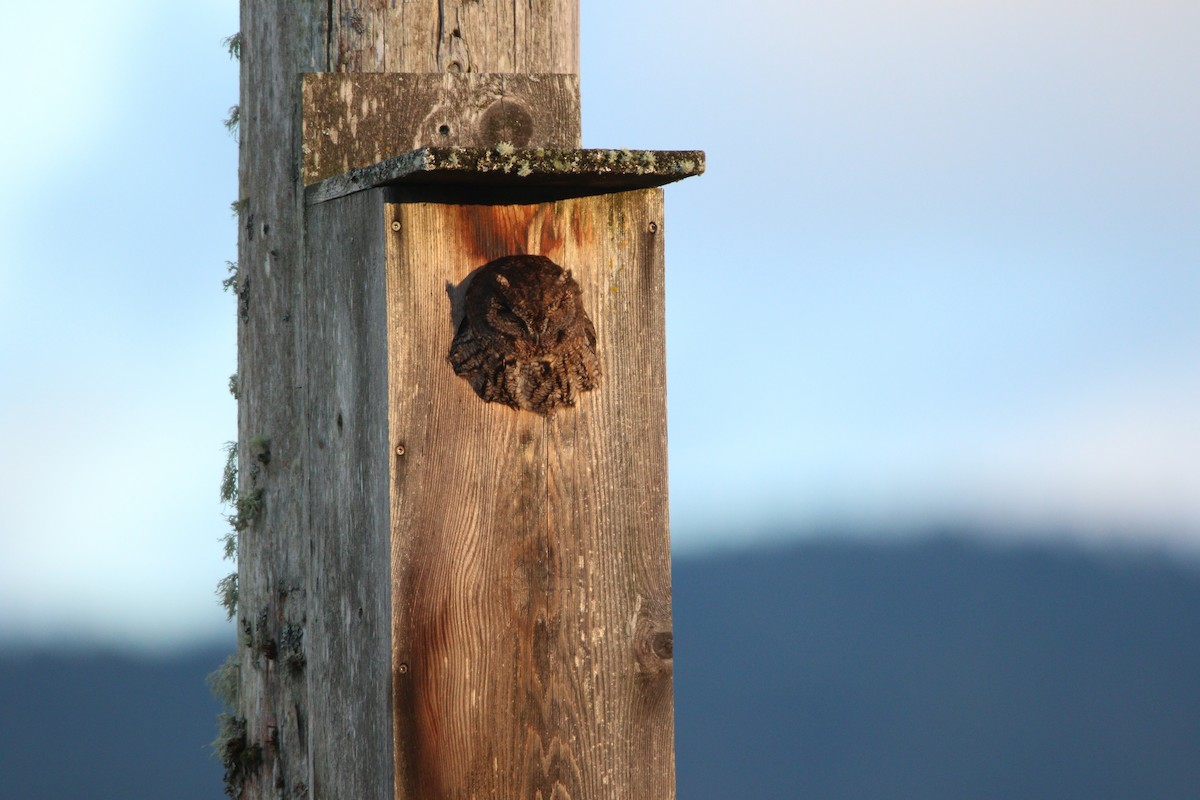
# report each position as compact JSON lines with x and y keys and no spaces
{"x":937,"y":669}
{"x":931,"y":669}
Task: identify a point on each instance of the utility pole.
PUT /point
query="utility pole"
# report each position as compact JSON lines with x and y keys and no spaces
{"x":451,"y":584}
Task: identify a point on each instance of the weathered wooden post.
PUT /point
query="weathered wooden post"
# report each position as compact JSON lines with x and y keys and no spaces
{"x":441,"y":596}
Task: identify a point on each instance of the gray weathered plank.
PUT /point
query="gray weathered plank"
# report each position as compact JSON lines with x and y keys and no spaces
{"x":355,"y":120}
{"x":530,"y":556}
{"x":534,"y":36}
{"x":346,"y":497}
{"x":280,"y":38}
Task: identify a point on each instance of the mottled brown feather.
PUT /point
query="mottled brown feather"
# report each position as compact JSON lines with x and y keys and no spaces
{"x":525,"y":339}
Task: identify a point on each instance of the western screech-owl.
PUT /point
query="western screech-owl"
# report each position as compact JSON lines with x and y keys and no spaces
{"x":525,"y":339}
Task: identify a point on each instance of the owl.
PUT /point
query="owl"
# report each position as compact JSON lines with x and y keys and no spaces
{"x":525,"y":339}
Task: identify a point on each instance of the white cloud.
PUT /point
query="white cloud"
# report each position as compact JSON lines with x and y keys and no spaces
{"x":1116,"y":459}
{"x":1127,"y":457}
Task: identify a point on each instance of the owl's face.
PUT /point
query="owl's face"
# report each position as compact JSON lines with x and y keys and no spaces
{"x":530,"y":302}
{"x":525,"y":339}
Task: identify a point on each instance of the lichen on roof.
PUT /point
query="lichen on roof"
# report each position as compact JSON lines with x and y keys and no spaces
{"x":505,"y":165}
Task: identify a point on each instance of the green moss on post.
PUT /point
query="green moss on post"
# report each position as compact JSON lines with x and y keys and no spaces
{"x":227,"y":593}
{"x":249,"y":507}
{"x":240,"y":758}
{"x":233,"y":43}
{"x":230,"y":284}
{"x":231,"y":121}
{"x":260,"y":449}
{"x":223,"y":682}
{"x":291,"y":645}
{"x":229,"y":475}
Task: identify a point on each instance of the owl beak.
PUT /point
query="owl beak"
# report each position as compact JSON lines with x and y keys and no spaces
{"x":538,"y":331}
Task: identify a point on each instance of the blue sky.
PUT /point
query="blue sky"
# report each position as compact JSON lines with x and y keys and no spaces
{"x":944,"y":266}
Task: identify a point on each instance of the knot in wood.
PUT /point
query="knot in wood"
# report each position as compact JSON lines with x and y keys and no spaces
{"x":653,"y":640}
{"x":507,"y":121}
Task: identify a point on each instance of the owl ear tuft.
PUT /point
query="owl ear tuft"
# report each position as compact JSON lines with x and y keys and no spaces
{"x":500,"y":279}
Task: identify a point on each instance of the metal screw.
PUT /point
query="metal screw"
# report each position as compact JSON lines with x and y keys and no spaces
{"x":402,"y":668}
{"x":399,"y":449}
{"x":396,"y":226}
{"x":654,"y":227}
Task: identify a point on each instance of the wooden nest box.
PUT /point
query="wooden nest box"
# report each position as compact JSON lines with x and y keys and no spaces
{"x":490,"y":613}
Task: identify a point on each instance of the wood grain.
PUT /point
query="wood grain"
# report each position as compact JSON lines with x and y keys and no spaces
{"x":530,"y":557}
{"x":346,"y":498}
{"x":459,"y":36}
{"x":354,"y":120}
{"x":521,"y":565}
{"x":280,"y":39}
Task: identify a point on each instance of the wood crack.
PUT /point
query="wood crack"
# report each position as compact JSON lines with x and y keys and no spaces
{"x":329,"y":35}
{"x":441,"y":34}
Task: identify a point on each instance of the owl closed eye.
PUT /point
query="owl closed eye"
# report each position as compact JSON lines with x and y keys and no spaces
{"x":525,"y":339}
